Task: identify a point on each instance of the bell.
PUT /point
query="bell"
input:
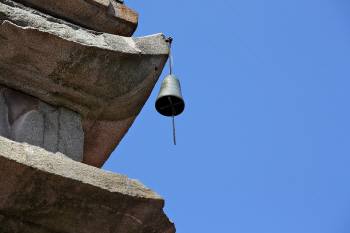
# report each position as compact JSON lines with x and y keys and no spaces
{"x":169,"y":101}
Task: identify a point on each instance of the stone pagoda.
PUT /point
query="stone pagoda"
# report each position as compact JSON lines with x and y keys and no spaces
{"x":72,"y":81}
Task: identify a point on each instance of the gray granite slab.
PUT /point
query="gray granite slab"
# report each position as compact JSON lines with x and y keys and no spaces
{"x":46,"y":192}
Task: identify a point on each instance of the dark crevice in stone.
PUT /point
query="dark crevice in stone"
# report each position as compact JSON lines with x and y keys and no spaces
{"x":4,"y":217}
{"x":19,"y":104}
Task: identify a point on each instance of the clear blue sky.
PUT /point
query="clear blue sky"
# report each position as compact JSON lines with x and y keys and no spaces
{"x":264,"y":141}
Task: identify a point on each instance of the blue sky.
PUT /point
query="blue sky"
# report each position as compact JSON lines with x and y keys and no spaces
{"x":263,"y":143}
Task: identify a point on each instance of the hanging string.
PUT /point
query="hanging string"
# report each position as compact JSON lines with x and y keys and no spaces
{"x":173,"y":113}
{"x":174,"y":129}
{"x":170,"y":40}
{"x":170,"y":58}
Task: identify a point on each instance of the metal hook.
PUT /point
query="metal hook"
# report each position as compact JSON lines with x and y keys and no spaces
{"x":169,"y":40}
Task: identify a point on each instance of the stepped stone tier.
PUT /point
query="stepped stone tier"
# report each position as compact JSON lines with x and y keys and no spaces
{"x":98,"y":15}
{"x":105,"y":78}
{"x":43,"y":192}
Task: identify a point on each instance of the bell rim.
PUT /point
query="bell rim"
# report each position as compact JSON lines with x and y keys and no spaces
{"x":169,"y":115}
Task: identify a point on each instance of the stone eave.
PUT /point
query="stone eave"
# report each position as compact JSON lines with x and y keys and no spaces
{"x":98,"y":15}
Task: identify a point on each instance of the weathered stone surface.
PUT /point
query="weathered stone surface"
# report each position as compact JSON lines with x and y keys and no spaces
{"x":105,"y":78}
{"x":24,"y":118}
{"x":96,"y":150}
{"x":98,"y":15}
{"x":46,"y":192}
{"x":100,"y":76}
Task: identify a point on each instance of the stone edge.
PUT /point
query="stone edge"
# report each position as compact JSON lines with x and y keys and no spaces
{"x":61,"y":165}
{"x":28,"y":18}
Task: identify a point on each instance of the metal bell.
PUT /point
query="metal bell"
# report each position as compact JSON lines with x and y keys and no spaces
{"x":169,"y":101}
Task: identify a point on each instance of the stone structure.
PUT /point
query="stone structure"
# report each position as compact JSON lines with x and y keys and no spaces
{"x":105,"y":78}
{"x":72,"y":82}
{"x":42,"y":192}
{"x":98,"y":15}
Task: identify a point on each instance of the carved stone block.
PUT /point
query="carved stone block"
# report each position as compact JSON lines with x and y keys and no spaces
{"x":24,"y":118}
